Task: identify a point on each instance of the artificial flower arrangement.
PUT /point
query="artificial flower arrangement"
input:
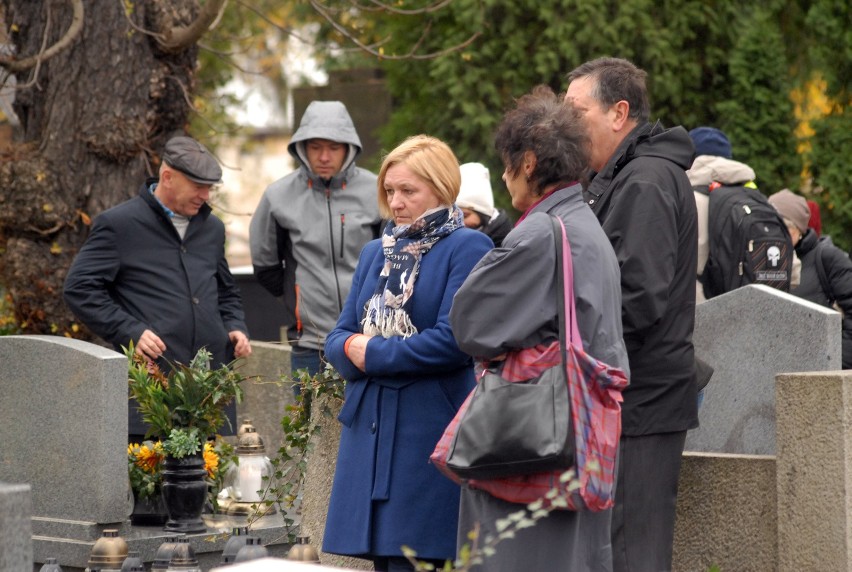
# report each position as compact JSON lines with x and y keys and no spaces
{"x":145,"y":466}
{"x":183,"y":409}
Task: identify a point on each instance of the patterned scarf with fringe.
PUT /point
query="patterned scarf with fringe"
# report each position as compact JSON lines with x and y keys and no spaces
{"x":386,"y":313}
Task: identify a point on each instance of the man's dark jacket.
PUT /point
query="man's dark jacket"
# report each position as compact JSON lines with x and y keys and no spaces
{"x":645,"y":204}
{"x":838,"y":274}
{"x":135,"y":273}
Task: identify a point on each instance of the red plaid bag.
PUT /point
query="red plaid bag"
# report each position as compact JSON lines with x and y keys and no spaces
{"x":595,"y":392}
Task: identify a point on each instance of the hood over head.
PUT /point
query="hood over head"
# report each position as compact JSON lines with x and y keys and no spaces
{"x":708,"y":168}
{"x":655,"y":141}
{"x":325,"y":120}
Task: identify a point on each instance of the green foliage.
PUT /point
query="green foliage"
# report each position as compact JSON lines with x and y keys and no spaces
{"x":144,"y":463}
{"x":186,"y":406}
{"x":832,"y":177}
{"x":758,"y":118}
{"x":299,"y":427}
{"x":8,"y":324}
{"x":717,"y":63}
{"x":829,"y":43}
{"x":218,"y":458}
{"x":182,"y":441}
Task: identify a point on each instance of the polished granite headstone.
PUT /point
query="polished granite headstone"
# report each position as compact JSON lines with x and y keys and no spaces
{"x":748,"y":336}
{"x":64,"y":412}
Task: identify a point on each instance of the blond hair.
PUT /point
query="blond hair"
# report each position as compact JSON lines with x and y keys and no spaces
{"x":430,"y":159}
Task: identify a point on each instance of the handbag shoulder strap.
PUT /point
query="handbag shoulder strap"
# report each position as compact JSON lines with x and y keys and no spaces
{"x":565,"y":285}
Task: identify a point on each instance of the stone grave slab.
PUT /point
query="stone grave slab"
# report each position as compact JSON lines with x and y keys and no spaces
{"x":748,"y":336}
{"x":64,"y":412}
{"x":16,"y":545}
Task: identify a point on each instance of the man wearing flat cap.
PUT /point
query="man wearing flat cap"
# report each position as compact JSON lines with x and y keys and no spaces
{"x":153,"y":270}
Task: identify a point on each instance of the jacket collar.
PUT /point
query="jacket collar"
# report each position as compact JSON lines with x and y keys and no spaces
{"x":159,"y":209}
{"x":335,"y":183}
{"x":600,"y":181}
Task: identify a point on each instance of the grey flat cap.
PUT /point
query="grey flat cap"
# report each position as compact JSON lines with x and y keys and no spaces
{"x":193,"y":160}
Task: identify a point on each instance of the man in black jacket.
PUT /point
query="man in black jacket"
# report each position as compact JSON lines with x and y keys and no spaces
{"x":153,"y":270}
{"x":643,"y":200}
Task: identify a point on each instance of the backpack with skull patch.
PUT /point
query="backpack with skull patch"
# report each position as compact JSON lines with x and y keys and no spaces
{"x":748,"y":242}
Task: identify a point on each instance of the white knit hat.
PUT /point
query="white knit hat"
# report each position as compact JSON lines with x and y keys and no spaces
{"x":475,"y":190}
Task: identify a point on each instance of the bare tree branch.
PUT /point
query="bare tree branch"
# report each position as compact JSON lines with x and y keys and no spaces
{"x":133,"y":24}
{"x":179,"y":38}
{"x":13,"y":65}
{"x":285,"y":29}
{"x":226,"y":57}
{"x":378,"y":6}
{"x":187,"y":97}
{"x":34,"y":75}
{"x":411,"y":55}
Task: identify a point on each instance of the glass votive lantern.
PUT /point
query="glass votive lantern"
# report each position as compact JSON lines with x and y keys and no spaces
{"x":247,"y":480}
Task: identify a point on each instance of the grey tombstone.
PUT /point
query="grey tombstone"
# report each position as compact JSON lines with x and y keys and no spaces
{"x":64,"y":412}
{"x":748,"y":336}
{"x":16,"y":546}
{"x":63,"y":430}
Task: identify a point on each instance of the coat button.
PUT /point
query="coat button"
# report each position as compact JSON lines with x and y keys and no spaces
{"x":183,"y":249}
{"x":195,"y":300}
{"x":373,"y":427}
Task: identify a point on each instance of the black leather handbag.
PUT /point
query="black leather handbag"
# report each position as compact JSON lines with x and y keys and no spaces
{"x":517,"y":428}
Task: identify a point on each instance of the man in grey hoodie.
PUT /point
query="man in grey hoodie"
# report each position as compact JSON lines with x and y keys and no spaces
{"x":310,"y":226}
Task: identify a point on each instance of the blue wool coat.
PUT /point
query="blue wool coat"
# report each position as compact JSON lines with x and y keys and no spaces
{"x":386,"y":494}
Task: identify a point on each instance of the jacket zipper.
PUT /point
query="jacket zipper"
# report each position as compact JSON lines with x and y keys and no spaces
{"x":342,"y":229}
{"x":331,"y":243}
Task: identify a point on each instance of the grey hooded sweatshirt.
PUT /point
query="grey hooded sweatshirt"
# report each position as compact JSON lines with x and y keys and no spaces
{"x":307,"y":232}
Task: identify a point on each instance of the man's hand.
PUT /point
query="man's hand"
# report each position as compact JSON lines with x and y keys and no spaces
{"x":242,"y":346}
{"x":150,"y":345}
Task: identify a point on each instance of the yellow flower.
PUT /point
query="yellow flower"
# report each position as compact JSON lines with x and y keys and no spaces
{"x":149,"y":458}
{"x":211,"y":460}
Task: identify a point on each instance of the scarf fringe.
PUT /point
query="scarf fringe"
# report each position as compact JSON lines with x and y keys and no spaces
{"x":380,"y":320}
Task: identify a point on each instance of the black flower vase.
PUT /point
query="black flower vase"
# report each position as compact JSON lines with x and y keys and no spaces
{"x":148,"y":511}
{"x":184,"y":493}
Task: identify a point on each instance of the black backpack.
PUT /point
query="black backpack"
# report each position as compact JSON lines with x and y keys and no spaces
{"x":749,"y":242}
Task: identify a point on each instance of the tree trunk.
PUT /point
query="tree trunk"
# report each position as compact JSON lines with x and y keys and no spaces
{"x":91,"y":126}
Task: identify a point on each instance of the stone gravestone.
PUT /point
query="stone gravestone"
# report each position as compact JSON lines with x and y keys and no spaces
{"x":63,"y":431}
{"x":267,"y":395}
{"x":16,"y":546}
{"x":748,"y":336}
{"x":64,"y":414}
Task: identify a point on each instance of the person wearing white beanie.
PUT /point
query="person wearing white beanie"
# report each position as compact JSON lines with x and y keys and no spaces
{"x":476,"y":200}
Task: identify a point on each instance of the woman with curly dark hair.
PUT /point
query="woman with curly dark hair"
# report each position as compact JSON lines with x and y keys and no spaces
{"x":509,"y":303}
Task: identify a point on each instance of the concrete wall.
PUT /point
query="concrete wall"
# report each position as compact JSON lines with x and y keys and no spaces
{"x":791,"y":512}
{"x":726,"y":514}
{"x":814,"y":471}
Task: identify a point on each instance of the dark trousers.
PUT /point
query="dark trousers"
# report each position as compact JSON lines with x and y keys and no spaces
{"x":645,"y":500}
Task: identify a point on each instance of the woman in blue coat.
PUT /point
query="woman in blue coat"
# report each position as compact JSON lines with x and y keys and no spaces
{"x":405,"y":375}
